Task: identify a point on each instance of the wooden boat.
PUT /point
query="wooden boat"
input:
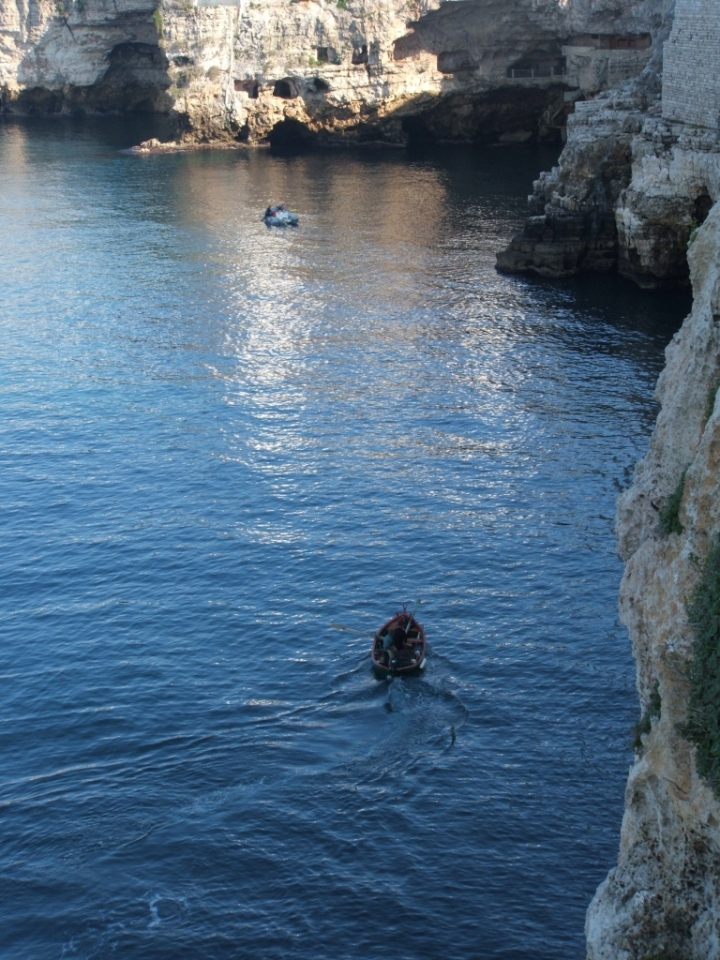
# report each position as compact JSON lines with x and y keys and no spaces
{"x":406,"y":655}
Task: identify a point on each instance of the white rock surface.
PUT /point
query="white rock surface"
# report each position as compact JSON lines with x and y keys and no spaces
{"x":358,"y":67}
{"x":662,"y":898}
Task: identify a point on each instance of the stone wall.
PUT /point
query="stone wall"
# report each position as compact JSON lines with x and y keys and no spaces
{"x":592,"y":69}
{"x":691,"y":80}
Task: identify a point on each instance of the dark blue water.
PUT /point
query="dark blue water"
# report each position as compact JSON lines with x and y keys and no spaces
{"x":215,"y":440}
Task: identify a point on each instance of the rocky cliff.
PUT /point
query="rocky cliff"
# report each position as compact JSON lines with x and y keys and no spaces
{"x":663,"y":898}
{"x":635,"y":179}
{"x":630,"y":189}
{"x":636,"y":191}
{"x":327,"y":70}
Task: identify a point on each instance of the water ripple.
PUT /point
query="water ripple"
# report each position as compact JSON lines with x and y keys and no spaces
{"x":215,"y":440}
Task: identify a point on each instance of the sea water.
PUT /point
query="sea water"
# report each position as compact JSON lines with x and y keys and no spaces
{"x":217,"y":440}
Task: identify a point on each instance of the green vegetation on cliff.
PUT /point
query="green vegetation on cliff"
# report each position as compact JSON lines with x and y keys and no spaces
{"x":702,"y":726}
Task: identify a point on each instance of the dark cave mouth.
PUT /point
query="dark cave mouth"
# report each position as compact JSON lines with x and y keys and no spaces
{"x":291,"y":135}
{"x":506,"y":115}
{"x":136,"y":81}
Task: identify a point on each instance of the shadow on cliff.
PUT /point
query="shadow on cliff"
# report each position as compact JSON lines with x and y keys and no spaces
{"x":476,"y":45}
{"x":135,"y":78}
{"x":506,"y":115}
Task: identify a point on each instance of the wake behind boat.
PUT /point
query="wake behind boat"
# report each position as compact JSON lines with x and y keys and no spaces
{"x":278,"y":216}
{"x":399,"y":647}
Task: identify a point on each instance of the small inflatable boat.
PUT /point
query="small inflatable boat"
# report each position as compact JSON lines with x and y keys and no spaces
{"x":278,"y":216}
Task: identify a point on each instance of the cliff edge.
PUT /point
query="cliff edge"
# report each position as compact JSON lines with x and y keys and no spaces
{"x":662,"y":901}
{"x":635,"y":192}
{"x":663,"y":898}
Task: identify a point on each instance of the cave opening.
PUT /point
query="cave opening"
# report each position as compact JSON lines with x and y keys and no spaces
{"x":417,"y":131}
{"x":510,"y":115}
{"x":290,"y":135}
{"x":286,"y":89}
{"x":701,"y":208}
{"x":136,"y":81}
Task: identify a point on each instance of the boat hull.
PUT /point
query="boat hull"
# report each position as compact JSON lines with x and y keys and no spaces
{"x":382,"y":673}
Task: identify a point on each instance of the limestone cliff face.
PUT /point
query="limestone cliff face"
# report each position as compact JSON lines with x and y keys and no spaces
{"x":323,"y":69}
{"x":635,"y":178}
{"x":641,"y":186}
{"x":628,"y":192}
{"x":663,"y":898}
{"x":306,"y":69}
{"x":572,"y":227}
{"x":102,"y":55}
{"x":637,"y":190}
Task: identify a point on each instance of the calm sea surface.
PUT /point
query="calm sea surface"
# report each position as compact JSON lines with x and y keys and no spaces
{"x":215,"y":440}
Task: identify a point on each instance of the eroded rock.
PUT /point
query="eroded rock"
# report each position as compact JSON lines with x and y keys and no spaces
{"x":356,"y":71}
{"x":642,"y":183}
{"x":662,"y":898}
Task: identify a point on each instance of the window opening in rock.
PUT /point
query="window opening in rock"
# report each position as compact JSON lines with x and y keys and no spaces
{"x":703,"y":206}
{"x":360,"y":54}
{"x":612,"y":41}
{"x":250,"y":87}
{"x":327,"y":55}
{"x":285,"y":89}
{"x":454,"y":61}
{"x":538,"y":64}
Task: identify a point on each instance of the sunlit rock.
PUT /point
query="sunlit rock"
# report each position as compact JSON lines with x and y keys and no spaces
{"x":355,"y":70}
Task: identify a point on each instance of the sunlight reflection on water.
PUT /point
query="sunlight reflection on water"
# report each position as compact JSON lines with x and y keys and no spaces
{"x":218,"y":438}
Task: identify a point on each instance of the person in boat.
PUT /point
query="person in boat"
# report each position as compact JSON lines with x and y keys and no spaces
{"x":393,"y":642}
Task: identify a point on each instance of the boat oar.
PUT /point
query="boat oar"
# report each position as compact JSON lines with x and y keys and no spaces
{"x":417,"y":604}
{"x":359,"y":633}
